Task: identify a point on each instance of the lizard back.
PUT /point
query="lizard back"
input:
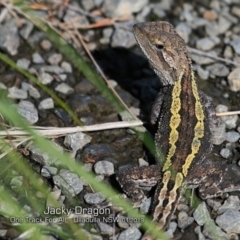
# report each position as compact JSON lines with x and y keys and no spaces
{"x":183,"y":134}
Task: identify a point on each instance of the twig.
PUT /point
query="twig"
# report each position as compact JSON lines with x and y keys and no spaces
{"x":102,"y":74}
{"x":204,"y":54}
{"x":55,"y":132}
{"x":227,"y":113}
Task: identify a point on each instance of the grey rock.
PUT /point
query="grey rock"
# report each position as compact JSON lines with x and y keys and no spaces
{"x":16,"y":182}
{"x":228,"y":52}
{"x":229,"y":121}
{"x":98,"y":3}
{"x":63,"y":76}
{"x":9,"y":38}
{"x":203,"y":74}
{"x":94,"y":198}
{"x":3,"y":86}
{"x":145,"y":206}
{"x":211,"y":28}
{"x":64,"y":89}
{"x":17,"y":93}
{"x":203,"y":60}
{"x":44,"y":158}
{"x":188,"y":15}
{"x":198,"y":22}
{"x":232,"y":202}
{"x":123,"y":38}
{"x":201,"y":214}
{"x":166,"y":4}
{"x":87,"y":4}
{"x":3,"y":233}
{"x":218,"y":69}
{"x":142,"y":162}
{"x":37,"y":58}
{"x":45,"y":78}
{"x":47,"y":103}
{"x":107,"y":33}
{"x":172,"y":227}
{"x":28,"y":111}
{"x":221,"y":108}
{"x":25,"y":86}
{"x":117,"y":8}
{"x":35,"y":38}
{"x":207,"y":43}
{"x":99,"y":178}
{"x":112,"y":83}
{"x":236,"y":45}
{"x":33,"y":92}
{"x":46,"y":45}
{"x":229,"y":221}
{"x":219,"y":27}
{"x":236,"y":11}
{"x":158,"y":11}
{"x":182,"y":207}
{"x":87,"y":167}
{"x":73,"y":16}
{"x":224,"y":24}
{"x":52,"y":69}
{"x":77,"y":140}
{"x":23,"y":63}
{"x":105,"y":229}
{"x":234,"y":79}
{"x":122,"y":221}
{"x":53,"y":195}
{"x":219,"y":133}
{"x":68,"y":182}
{"x":132,"y":233}
{"x":26,"y":30}
{"x":214,"y":204}
{"x":82,"y":232}
{"x":67,"y":67}
{"x":184,"y":31}
{"x":232,"y":136}
{"x":105,"y":168}
{"x":84,"y":87}
{"x":141,"y":16}
{"x":184,"y":220}
{"x":47,"y":171}
{"x":99,"y":151}
{"x":197,"y":230}
{"x":55,"y":59}
{"x":202,"y":217}
{"x":226,"y":153}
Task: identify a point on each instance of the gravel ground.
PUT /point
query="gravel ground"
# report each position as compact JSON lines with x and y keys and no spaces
{"x":209,"y":26}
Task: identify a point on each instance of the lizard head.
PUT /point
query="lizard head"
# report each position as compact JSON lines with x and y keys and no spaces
{"x":164,"y":48}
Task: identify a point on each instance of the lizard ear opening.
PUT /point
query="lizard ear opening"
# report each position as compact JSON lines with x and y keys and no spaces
{"x":159,"y":46}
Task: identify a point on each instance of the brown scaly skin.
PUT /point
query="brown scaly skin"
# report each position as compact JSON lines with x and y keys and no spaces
{"x":185,"y":118}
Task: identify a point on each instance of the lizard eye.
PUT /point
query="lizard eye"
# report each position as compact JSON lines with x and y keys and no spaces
{"x":159,"y":46}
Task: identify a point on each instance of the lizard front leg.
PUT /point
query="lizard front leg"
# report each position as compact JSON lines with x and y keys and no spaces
{"x":134,"y":180}
{"x":156,"y":108}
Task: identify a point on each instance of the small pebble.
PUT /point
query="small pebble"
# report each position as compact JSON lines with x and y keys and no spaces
{"x":46,"y":104}
{"x":226,"y":153}
{"x":94,"y":198}
{"x":105,"y":168}
{"x":232,"y":136}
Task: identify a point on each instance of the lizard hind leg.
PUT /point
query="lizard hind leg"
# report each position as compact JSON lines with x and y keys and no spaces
{"x":214,"y":177}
